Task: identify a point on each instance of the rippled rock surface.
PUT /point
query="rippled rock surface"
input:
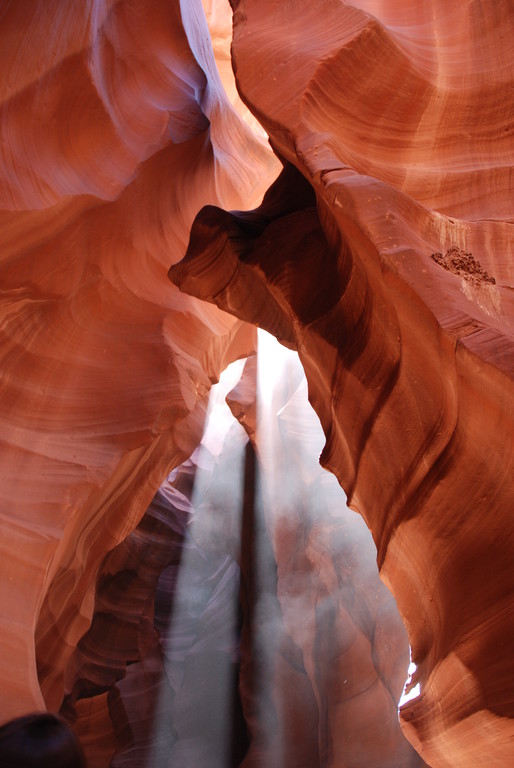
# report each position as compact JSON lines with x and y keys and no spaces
{"x":382,"y":254}
{"x":115,"y":131}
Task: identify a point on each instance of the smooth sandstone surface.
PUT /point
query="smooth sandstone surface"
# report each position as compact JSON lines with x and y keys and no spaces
{"x":383,"y":254}
{"x":115,"y":130}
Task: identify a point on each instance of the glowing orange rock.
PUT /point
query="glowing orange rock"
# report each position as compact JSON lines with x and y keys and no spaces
{"x":115,"y":130}
{"x":384,"y":257}
{"x":390,"y":270}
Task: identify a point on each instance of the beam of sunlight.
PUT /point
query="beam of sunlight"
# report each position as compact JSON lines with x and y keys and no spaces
{"x":290,"y":437}
{"x":276,"y":585}
{"x":410,"y":691}
{"x":219,"y":418}
{"x":201,"y":640}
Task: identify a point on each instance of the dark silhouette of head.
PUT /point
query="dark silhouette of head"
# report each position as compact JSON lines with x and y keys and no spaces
{"x":39,"y":740}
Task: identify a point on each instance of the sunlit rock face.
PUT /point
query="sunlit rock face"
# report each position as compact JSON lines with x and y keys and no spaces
{"x":115,"y":131}
{"x":383,"y":254}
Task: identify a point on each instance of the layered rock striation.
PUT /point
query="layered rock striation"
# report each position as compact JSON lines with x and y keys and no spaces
{"x":115,"y":130}
{"x":383,"y":254}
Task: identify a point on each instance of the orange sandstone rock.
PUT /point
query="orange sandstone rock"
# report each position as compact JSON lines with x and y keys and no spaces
{"x":398,"y":119}
{"x":115,"y":131}
{"x":383,"y":254}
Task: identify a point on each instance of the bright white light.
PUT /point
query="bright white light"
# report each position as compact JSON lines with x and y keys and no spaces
{"x":219,"y":417}
{"x":413,"y":692}
{"x":204,"y":610}
{"x":273,"y":360}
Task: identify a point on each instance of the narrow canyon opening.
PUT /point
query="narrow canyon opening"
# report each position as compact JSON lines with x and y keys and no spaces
{"x":274,"y":607}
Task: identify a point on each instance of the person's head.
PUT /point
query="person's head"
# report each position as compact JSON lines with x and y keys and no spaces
{"x":39,"y":740}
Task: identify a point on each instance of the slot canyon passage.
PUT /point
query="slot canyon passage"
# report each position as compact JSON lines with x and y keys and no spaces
{"x":180,"y":578}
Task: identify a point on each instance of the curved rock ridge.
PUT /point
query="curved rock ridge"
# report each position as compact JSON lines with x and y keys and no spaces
{"x":115,"y":131}
{"x":445,"y":75}
{"x":408,"y":354}
{"x":383,"y":254}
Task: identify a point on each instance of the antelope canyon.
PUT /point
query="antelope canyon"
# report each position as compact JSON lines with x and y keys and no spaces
{"x":257,"y":360}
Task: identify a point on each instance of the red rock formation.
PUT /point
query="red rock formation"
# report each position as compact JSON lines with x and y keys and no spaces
{"x":383,"y":257}
{"x":115,"y":130}
{"x":389,"y":270}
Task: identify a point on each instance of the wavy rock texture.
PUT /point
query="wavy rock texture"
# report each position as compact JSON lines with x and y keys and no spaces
{"x":115,"y":130}
{"x":383,"y":254}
